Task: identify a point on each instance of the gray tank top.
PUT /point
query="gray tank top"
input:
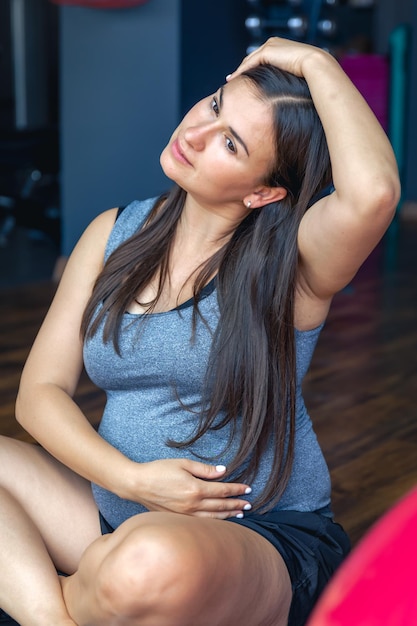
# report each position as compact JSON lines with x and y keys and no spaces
{"x":159,"y":364}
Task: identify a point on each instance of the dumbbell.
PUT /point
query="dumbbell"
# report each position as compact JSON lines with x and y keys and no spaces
{"x":327,"y":28}
{"x":297,"y":25}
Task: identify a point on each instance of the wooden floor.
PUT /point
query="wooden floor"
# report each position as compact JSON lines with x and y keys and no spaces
{"x":361,"y":390}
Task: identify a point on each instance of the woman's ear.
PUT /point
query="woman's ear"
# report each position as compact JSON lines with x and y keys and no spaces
{"x":264,"y":195}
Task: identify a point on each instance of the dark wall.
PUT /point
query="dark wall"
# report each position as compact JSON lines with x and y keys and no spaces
{"x":213,"y":42}
{"x":119,"y":74}
{"x":127,"y":76}
{"x":389,"y":14}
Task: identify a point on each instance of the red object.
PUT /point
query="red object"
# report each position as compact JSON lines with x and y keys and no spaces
{"x":376,"y":585}
{"x":101,"y":4}
{"x":370,"y":74}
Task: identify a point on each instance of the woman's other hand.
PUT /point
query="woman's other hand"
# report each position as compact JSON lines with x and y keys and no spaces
{"x":283,"y":53}
{"x":187,"y":487}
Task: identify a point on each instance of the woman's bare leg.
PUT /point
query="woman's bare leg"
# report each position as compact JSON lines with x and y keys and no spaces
{"x":47,"y":519}
{"x":157,"y":569}
{"x":161,"y":569}
{"x":30,"y":589}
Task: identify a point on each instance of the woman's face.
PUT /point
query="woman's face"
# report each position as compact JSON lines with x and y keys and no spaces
{"x":223,"y":148}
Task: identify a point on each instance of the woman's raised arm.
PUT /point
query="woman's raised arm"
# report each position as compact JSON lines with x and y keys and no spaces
{"x":339,"y":231}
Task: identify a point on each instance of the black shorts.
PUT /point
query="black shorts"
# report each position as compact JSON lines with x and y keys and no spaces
{"x":311,"y":545}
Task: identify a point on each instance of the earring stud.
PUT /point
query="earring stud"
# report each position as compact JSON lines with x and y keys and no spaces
{"x":248,"y":204}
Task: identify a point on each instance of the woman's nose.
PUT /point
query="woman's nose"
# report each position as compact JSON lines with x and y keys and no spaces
{"x":197,"y":135}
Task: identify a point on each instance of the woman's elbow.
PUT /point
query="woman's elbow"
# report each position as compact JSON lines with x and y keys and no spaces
{"x":25,"y":405}
{"x":20,"y":409}
{"x":382,"y":200}
{"x":388,"y":198}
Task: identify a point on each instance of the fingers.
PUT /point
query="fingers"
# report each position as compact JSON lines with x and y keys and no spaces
{"x":216,"y":473}
{"x":253,"y":59}
{"x":247,"y":63}
{"x":210,"y":472}
{"x":221,"y":509}
{"x":221,"y":499}
{"x":191,"y":488}
{"x":212,"y":496}
{"x":202,"y":470}
{"x":284,"y":53}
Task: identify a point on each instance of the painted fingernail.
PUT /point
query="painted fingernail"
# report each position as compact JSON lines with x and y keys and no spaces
{"x":247,"y":507}
{"x":248,"y":490}
{"x":220,"y":468}
{"x":228,"y":76}
{"x":239,"y":515}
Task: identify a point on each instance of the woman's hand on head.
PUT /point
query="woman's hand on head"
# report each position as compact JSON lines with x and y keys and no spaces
{"x":187,"y":487}
{"x":283,"y":53}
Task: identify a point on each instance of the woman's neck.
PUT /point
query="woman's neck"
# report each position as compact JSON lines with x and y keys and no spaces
{"x":206,"y":229}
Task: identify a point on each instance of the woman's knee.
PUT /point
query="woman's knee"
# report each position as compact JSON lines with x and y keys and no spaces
{"x":152,"y":571}
{"x":172,"y":571}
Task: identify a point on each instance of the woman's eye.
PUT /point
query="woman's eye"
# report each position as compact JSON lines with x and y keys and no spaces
{"x":215,"y":106}
{"x":230,"y":145}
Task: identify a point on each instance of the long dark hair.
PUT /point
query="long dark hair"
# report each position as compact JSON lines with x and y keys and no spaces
{"x":251,"y":373}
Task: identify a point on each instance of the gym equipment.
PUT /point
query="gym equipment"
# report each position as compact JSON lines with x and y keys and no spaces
{"x":334,"y":25}
{"x":296,"y":25}
{"x":327,"y":28}
{"x":376,"y":584}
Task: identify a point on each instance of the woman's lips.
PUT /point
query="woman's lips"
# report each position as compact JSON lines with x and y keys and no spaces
{"x":178,"y":153}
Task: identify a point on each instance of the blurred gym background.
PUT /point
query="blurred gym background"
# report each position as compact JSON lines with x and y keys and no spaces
{"x":91,"y":91}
